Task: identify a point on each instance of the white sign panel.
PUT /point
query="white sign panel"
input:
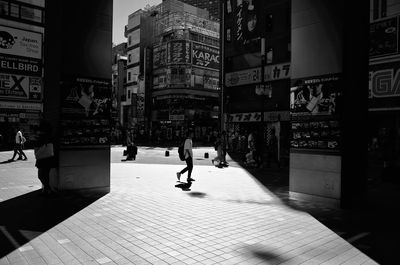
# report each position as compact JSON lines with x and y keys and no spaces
{"x":20,"y":87}
{"x":248,"y":76}
{"x":20,"y":105}
{"x":20,"y":42}
{"x":277,"y":72}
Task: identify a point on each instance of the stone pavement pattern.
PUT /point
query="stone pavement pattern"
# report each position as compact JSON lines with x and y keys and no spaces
{"x":227,"y":217}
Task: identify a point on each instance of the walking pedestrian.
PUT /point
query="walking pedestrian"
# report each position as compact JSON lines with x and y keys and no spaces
{"x":188,"y":151}
{"x":44,"y":154}
{"x":19,"y":143}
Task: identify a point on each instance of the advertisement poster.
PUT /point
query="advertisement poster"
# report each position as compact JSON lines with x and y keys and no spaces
{"x":315,"y":106}
{"x":384,"y":37}
{"x":86,"y":110}
{"x":248,"y":21}
{"x":178,"y":51}
{"x":20,"y":87}
{"x":205,"y":56}
{"x":20,"y":42}
{"x":244,"y":77}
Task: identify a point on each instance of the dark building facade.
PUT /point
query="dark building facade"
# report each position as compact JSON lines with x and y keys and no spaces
{"x":384,"y":91}
{"x":257,"y":69}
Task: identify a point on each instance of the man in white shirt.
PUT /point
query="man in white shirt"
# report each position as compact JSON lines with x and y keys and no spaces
{"x":19,"y":141}
{"x":188,"y":151}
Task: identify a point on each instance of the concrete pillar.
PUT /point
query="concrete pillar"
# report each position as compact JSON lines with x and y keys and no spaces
{"x":77,"y":56}
{"x":329,"y":55}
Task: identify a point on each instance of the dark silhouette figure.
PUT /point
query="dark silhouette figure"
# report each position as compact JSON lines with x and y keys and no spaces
{"x":44,"y":154}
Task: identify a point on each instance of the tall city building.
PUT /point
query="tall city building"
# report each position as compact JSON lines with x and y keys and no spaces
{"x":211,"y":6}
{"x":139,"y":34}
{"x":21,"y":68}
{"x":186,"y":60}
{"x":256,"y":41}
{"x":118,"y":80}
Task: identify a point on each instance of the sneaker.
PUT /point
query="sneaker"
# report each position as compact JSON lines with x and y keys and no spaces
{"x":178,"y":175}
{"x":190,"y":179}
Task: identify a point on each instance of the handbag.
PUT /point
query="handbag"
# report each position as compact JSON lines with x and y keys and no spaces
{"x":45,"y":151}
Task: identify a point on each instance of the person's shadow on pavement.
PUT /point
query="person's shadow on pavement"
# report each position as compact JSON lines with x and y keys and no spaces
{"x":8,"y":161}
{"x":184,"y":186}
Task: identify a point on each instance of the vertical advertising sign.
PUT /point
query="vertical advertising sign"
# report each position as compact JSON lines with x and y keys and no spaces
{"x":178,"y":51}
{"x":85,"y":111}
{"x":248,"y":22}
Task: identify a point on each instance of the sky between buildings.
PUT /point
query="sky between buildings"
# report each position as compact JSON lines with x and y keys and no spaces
{"x":121,"y":10}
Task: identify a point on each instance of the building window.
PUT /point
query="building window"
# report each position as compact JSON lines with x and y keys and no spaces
{"x":14,"y":10}
{"x":228,"y":35}
{"x":3,"y":8}
{"x":228,"y":6}
{"x":129,"y":94}
{"x":129,"y":58}
{"x":129,"y":40}
{"x":379,"y":9}
{"x":129,"y":76}
{"x":270,"y":55}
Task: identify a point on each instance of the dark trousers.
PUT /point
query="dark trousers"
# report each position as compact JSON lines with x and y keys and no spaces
{"x":18,"y":150}
{"x":189,"y":166}
{"x":44,"y":176}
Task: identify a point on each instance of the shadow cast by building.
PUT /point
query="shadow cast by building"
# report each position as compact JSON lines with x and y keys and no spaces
{"x":26,"y":217}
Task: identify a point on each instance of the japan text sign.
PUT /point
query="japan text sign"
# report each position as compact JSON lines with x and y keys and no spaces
{"x":178,"y":52}
{"x":384,"y":83}
{"x":20,"y":42}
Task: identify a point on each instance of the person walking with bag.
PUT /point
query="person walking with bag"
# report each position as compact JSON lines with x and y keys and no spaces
{"x":44,"y":154}
{"x":188,"y":151}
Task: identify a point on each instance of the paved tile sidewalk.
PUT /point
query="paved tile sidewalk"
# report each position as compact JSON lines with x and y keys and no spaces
{"x":227,"y":217}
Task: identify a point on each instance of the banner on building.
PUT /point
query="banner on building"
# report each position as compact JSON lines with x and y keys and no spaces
{"x":244,"y":77}
{"x":384,"y":37}
{"x":384,"y":83}
{"x":178,"y":51}
{"x":277,"y":72}
{"x":20,"y":87}
{"x":205,"y":56}
{"x":20,"y":42}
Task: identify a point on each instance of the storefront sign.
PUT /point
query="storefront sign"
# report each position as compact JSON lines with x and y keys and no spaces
{"x":179,"y":51}
{"x":245,"y":117}
{"x":211,"y":83}
{"x":20,"y":87}
{"x":20,"y":105}
{"x":277,"y":72}
{"x":20,"y":42}
{"x":272,"y":116}
{"x":244,"y":77}
{"x":384,"y":83}
{"x":384,"y":37}
{"x":20,"y":65}
{"x":205,"y":56}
